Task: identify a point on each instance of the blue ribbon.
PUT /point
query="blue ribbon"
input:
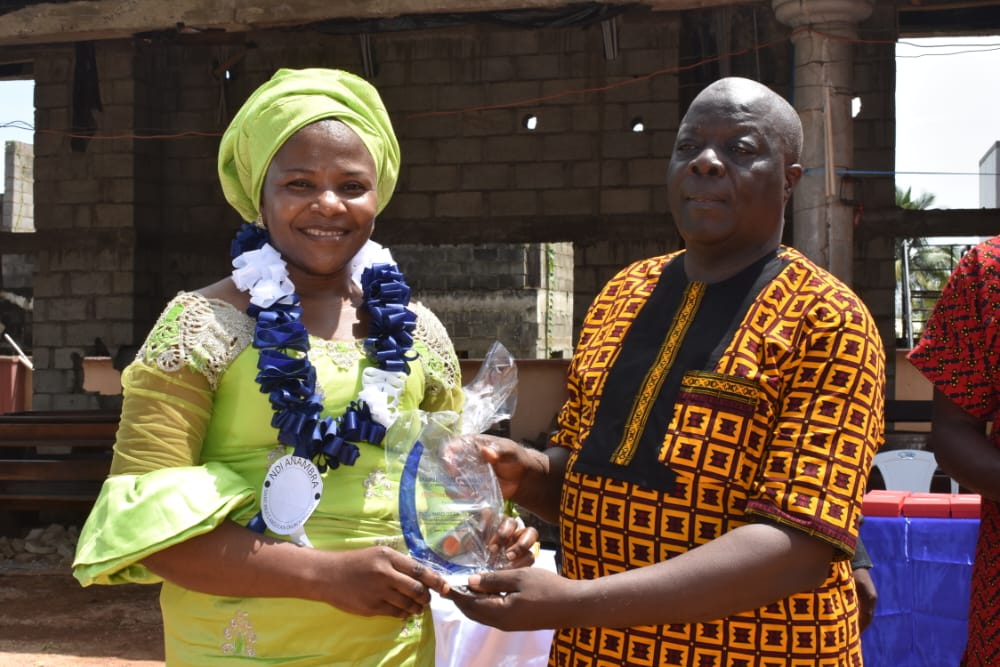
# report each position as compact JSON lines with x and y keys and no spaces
{"x":391,"y":326}
{"x":248,"y":238}
{"x":257,"y":523}
{"x":290,"y":381}
{"x":274,"y":330}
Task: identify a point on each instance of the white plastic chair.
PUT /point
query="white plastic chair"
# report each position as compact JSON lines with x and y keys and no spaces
{"x":908,"y":470}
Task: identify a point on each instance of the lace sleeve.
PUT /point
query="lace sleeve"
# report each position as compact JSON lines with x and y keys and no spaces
{"x":440,"y":363}
{"x":197,"y":333}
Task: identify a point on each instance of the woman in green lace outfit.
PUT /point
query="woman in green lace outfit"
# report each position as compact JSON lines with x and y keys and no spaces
{"x":311,"y":157}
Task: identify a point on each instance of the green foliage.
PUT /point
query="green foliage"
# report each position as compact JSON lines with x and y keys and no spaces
{"x":926,"y":269}
{"x":906,"y":200}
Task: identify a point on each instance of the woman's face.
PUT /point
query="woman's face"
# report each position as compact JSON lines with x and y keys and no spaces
{"x":318,"y":200}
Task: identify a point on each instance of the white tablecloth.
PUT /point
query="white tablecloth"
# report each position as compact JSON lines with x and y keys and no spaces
{"x":465,"y":643}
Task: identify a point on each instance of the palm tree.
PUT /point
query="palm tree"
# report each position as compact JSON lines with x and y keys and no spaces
{"x":922,"y":269}
{"x":906,"y":200}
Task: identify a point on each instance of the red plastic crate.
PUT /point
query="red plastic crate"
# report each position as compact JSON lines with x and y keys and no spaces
{"x":965,"y":505}
{"x":936,"y":505}
{"x":879,"y":502}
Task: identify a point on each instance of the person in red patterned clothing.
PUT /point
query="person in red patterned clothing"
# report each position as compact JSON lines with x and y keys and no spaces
{"x":958,"y":352}
{"x":725,"y":404}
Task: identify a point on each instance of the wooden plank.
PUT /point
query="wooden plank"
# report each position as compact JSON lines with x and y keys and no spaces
{"x":32,"y":480}
{"x":21,"y":501}
{"x":79,"y":20}
{"x":45,"y":433}
{"x":46,"y":470}
{"x":80,"y":430}
{"x":64,"y":444}
{"x":908,"y":411}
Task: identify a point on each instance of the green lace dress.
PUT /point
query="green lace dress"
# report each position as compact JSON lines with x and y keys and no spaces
{"x":192,"y":450}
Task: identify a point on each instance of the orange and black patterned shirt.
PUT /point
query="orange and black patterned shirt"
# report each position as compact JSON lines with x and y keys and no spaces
{"x":959,"y":353}
{"x":696,"y":408}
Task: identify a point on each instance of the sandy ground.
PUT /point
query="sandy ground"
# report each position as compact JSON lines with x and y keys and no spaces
{"x":48,"y":620}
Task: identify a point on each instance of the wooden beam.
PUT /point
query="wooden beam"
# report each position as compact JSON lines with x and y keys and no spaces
{"x":550,"y":229}
{"x":902,"y":223}
{"x":30,"y":243}
{"x":77,"y":20}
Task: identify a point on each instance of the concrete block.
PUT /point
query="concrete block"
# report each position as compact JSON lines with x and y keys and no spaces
{"x":517,"y":149}
{"x":458,"y":204}
{"x":540,"y":175}
{"x":433,"y":178}
{"x":486,"y":177}
{"x":55,"y":382}
{"x":626,"y":200}
{"x":647,"y":172}
{"x":459,"y":150}
{"x":410,"y":206}
{"x":568,"y":201}
{"x":568,"y":147}
{"x":90,"y":283}
{"x":499,"y":68}
{"x":66,"y":310}
{"x":513,"y":204}
{"x":624,"y":144}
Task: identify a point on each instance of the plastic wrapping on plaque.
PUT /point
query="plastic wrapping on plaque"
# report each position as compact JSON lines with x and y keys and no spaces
{"x":450,"y":503}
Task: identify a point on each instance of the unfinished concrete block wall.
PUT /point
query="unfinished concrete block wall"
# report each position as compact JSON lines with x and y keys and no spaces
{"x":874,"y":189}
{"x":472,"y":172}
{"x":582,"y":174}
{"x":506,"y":230}
{"x":183,"y":224}
{"x":18,"y":214}
{"x":83,"y":292}
{"x":17,"y":269}
{"x":18,"y":194}
{"x":519,"y":294}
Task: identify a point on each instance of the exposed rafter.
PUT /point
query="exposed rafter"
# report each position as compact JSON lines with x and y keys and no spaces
{"x":31,"y":23}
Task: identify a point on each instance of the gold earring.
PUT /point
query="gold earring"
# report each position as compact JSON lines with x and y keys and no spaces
{"x":259,"y":222}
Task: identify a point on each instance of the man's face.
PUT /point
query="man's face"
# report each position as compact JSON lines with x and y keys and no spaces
{"x":728,"y":179}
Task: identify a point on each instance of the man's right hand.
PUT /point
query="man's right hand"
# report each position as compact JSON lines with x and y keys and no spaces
{"x":511,"y":462}
{"x":530,"y":478}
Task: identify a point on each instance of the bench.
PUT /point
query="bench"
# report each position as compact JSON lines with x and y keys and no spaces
{"x":54,"y":460}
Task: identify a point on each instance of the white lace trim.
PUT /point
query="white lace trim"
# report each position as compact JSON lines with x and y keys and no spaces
{"x":206,"y":335}
{"x":195,"y":332}
{"x":441,"y":367}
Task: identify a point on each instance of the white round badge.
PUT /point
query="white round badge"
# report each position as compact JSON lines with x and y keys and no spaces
{"x":291,"y":492}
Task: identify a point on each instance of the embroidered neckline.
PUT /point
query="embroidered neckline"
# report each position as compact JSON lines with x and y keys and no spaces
{"x":288,"y":377}
{"x":343,"y":354}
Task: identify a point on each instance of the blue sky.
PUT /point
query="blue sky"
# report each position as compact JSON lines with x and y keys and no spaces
{"x":947,"y":115}
{"x":16,"y":104}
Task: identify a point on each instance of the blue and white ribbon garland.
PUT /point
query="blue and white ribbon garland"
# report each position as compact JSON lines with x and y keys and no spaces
{"x":289,"y":378}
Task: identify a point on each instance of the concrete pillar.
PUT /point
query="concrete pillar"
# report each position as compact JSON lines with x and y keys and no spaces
{"x":823,"y":31}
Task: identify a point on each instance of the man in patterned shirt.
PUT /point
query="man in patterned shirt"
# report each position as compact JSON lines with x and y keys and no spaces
{"x":959,"y":352}
{"x":725,"y":403}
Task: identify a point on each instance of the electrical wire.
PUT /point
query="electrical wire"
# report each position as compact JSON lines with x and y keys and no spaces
{"x":164,"y":135}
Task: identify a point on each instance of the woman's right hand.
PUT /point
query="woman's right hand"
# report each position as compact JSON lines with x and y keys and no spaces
{"x":377,"y":581}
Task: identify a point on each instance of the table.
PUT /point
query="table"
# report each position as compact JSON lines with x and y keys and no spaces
{"x":922,"y":570}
